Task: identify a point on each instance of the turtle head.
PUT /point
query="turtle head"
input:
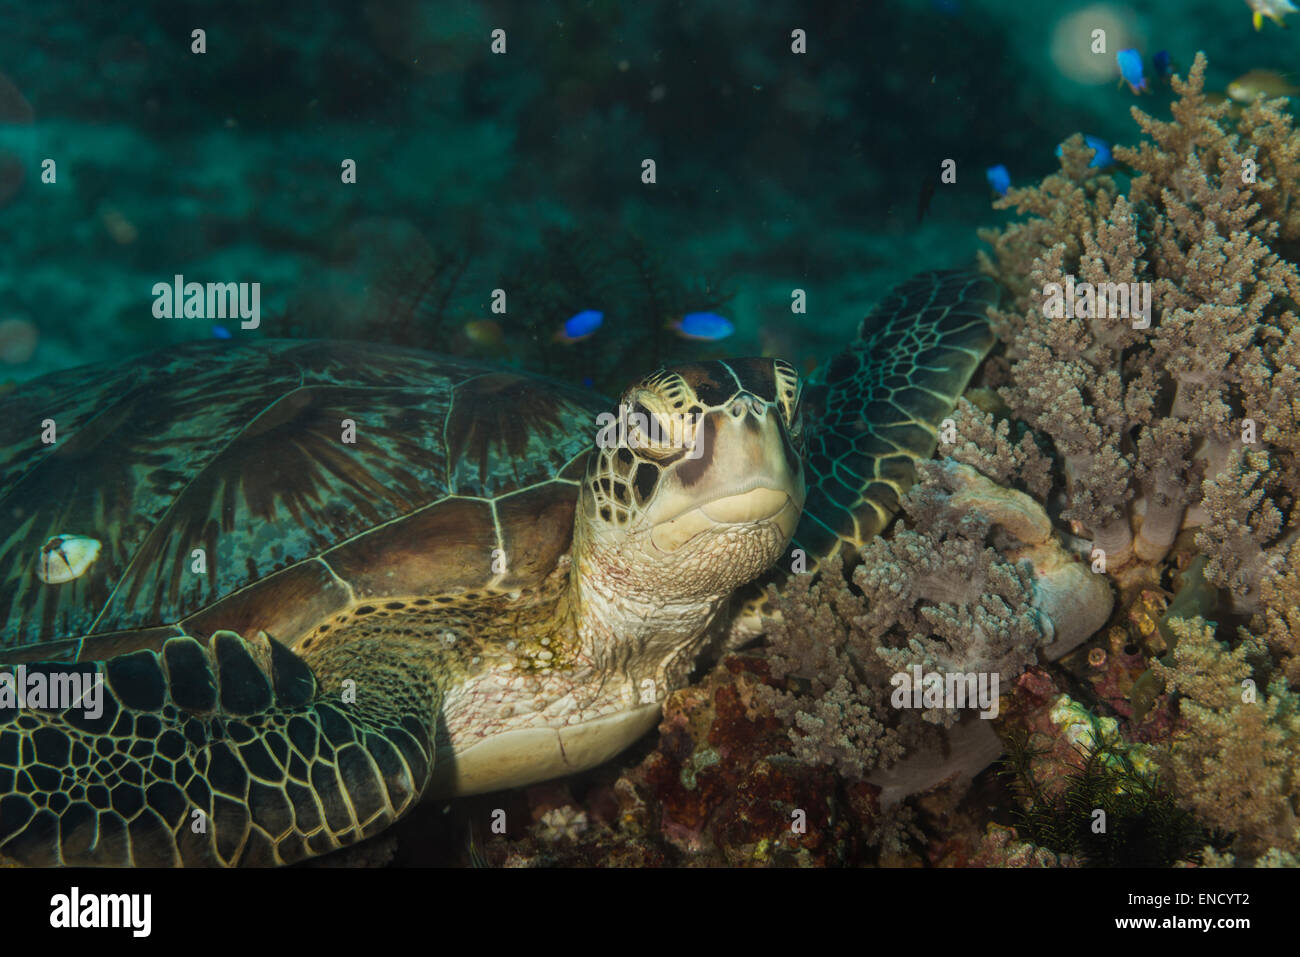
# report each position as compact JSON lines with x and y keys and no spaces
{"x":696,"y":482}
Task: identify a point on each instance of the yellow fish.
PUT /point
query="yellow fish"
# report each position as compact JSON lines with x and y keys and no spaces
{"x":1275,"y":10}
{"x":1260,"y":83}
{"x":485,"y":333}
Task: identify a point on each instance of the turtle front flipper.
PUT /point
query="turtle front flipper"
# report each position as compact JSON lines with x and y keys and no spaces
{"x":875,"y":411}
{"x":219,"y":754}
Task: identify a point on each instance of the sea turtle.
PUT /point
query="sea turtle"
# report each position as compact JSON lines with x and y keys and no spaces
{"x":313,"y":582}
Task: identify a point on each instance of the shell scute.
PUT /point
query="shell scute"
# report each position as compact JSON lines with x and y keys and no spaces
{"x":215,"y":476}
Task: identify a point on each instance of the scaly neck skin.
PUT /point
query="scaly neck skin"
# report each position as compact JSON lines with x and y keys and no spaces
{"x":627,"y":627}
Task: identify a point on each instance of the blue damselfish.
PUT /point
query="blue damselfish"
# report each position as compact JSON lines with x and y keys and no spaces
{"x":999,"y":179}
{"x":1102,"y":156}
{"x":702,"y":326}
{"x":580,"y":326}
{"x":1130,"y":70}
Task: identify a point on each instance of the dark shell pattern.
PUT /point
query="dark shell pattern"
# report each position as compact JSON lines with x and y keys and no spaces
{"x":875,"y":410}
{"x":240,"y":451}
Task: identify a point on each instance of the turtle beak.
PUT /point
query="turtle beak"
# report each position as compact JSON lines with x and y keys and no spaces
{"x":743,"y":470}
{"x":754,"y":507}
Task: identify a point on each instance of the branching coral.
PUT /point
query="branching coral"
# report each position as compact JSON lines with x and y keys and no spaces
{"x":1186,"y":416}
{"x":982,"y":567}
{"x":1233,"y":756}
{"x":838,"y":705}
{"x":1141,"y":408}
{"x":984,"y":442}
{"x":941,"y":596}
{"x":974,"y":582}
{"x":1241,"y":519}
{"x":1279,"y":621}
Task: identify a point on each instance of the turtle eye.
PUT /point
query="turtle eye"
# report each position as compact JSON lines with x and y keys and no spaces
{"x":647,"y":432}
{"x":796,"y":418}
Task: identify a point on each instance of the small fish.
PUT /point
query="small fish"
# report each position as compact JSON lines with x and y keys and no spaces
{"x":581,"y":326}
{"x":484,"y":332}
{"x":1162,"y":64}
{"x":1258,"y":84}
{"x":702,"y":326}
{"x":1130,"y":70}
{"x":999,"y":179}
{"x":1101,"y":154}
{"x":1275,"y":10}
{"x":220,"y":332}
{"x":66,"y":557}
